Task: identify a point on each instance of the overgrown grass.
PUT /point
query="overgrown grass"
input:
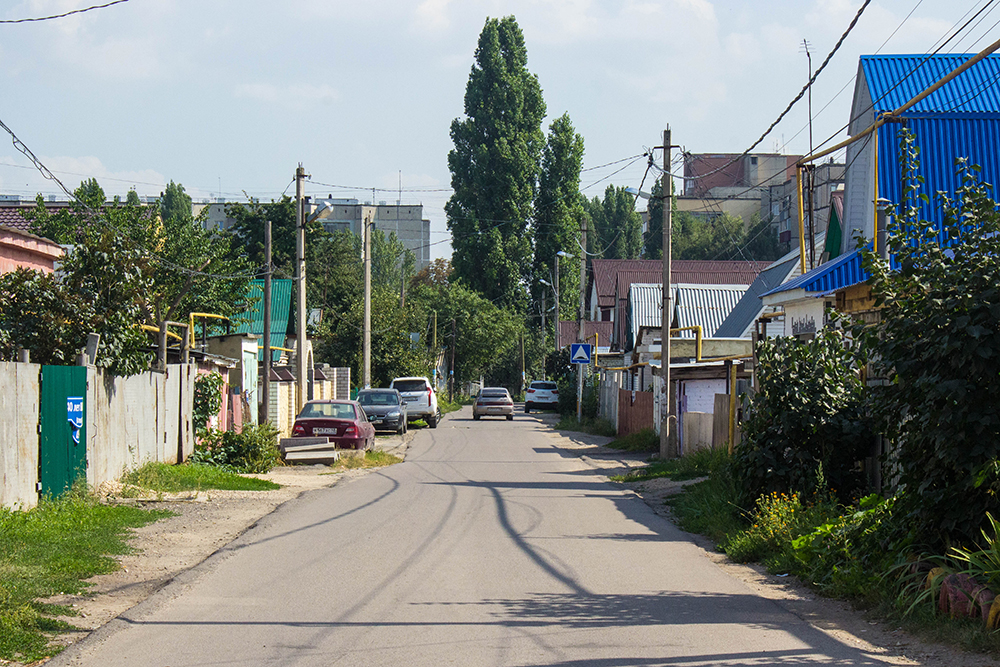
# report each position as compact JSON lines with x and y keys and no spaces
{"x":596,"y":426}
{"x":645,"y":440}
{"x":446,"y":406}
{"x":50,"y":550}
{"x":371,"y":459}
{"x":699,"y":463}
{"x":166,"y":478}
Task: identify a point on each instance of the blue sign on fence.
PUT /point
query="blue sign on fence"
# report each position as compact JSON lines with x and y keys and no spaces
{"x":74,"y":412}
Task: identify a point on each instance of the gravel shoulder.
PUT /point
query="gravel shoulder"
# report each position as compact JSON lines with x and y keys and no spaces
{"x":836,"y":618}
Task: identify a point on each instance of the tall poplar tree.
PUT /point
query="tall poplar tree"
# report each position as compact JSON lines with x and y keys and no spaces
{"x":494,"y":167}
{"x":558,"y":211}
{"x":619,"y":226}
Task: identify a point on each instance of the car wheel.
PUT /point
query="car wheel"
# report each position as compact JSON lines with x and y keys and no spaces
{"x":526,"y":409}
{"x":433,"y":422}
{"x":510,"y":418}
{"x":475,"y":417}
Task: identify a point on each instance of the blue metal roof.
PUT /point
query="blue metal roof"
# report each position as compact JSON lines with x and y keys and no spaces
{"x":841,"y":272}
{"x":893,"y":80}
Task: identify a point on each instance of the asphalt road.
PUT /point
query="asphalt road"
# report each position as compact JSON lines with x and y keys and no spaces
{"x":488,"y":546}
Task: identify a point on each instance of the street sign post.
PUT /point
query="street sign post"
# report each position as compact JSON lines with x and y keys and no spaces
{"x":580,"y":353}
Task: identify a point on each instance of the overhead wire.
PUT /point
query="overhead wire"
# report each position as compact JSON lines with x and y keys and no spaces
{"x":64,"y":14}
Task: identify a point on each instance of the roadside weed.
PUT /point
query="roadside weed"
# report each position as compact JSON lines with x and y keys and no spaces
{"x":192,"y":477}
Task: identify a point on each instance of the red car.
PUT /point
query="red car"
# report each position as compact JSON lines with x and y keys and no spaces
{"x":342,"y":422}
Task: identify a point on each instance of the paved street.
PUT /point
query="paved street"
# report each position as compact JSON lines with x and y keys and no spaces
{"x":488,"y":546}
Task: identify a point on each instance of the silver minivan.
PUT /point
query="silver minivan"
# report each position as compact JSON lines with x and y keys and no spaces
{"x":420,"y":397}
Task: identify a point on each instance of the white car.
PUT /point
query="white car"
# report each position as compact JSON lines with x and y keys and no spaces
{"x":541,"y":394}
{"x":421,"y":399}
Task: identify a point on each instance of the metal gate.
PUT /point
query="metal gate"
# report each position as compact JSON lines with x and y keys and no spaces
{"x":62,"y":437}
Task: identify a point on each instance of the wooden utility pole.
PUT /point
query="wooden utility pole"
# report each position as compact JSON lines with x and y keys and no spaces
{"x":265,"y":388}
{"x":300,"y":278}
{"x":667,"y":449}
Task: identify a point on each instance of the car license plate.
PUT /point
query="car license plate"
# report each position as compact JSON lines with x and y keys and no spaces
{"x":325,"y":431}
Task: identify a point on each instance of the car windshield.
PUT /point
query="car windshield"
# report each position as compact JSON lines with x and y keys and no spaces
{"x":327,"y":411}
{"x":378,"y":398}
{"x":409,"y":385}
{"x":494,"y":393}
{"x":548,"y":386}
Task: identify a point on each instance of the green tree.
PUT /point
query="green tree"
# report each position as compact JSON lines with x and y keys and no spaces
{"x":652,"y":246}
{"x":494,"y":166}
{"x":618,"y":224}
{"x":938,"y":344}
{"x":175,"y":203}
{"x":132,"y":198}
{"x":558,"y":211}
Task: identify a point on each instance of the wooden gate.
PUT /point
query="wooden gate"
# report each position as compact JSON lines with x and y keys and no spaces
{"x":635,"y":411}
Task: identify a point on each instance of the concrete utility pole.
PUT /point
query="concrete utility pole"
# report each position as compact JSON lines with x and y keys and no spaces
{"x":366,"y":380}
{"x":667,"y":449}
{"x":451,"y":366}
{"x":265,"y":389}
{"x":580,"y":317}
{"x":555,"y":289}
{"x":300,"y":278}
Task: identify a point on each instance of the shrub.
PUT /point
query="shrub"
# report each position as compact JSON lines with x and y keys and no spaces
{"x":207,"y":399}
{"x":254,"y":450}
{"x":808,"y":415}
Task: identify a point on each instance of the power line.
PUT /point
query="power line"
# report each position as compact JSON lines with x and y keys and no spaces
{"x":64,"y":15}
{"x":798,"y":97}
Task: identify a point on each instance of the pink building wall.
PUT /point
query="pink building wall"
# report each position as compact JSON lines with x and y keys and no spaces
{"x":20,"y":249}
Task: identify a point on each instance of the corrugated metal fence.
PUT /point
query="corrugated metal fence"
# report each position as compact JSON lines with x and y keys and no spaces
{"x":129,"y":421}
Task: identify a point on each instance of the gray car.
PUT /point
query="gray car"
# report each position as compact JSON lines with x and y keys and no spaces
{"x":385,"y":408}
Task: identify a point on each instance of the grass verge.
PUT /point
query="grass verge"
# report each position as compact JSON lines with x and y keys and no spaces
{"x":691,"y":466}
{"x":50,"y":550}
{"x":371,"y":459}
{"x":166,"y":478}
{"x":645,"y":440}
{"x":588,"y":425}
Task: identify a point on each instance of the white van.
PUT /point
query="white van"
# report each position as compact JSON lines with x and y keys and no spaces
{"x":421,"y":399}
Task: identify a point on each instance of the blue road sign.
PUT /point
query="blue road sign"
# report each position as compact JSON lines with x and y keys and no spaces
{"x":579,"y":353}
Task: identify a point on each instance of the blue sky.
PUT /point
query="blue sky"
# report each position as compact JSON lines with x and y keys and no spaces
{"x":227,"y":96}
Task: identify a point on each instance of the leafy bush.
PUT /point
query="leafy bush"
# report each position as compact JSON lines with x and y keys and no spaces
{"x":846,"y":555}
{"x":807,"y":417}
{"x":254,"y":450}
{"x":207,"y":399}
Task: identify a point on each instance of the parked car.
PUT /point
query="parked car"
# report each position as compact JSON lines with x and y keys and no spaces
{"x":541,"y":394}
{"x":421,"y":399}
{"x":493,"y":401}
{"x":342,"y":422}
{"x":385,"y":408}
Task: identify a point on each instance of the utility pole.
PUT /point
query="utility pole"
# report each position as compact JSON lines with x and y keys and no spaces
{"x":522,"y":363}
{"x":451,"y":366}
{"x":667,"y":450}
{"x":810,"y":183}
{"x":265,"y":389}
{"x":580,"y":317}
{"x":366,"y":373}
{"x":300,"y":277}
{"x":555,"y":288}
{"x":434,"y":349}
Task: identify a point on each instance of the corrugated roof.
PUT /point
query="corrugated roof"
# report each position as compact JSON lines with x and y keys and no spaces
{"x":281,"y":305}
{"x":694,"y":271}
{"x":568,"y":330}
{"x":844,"y":271}
{"x":893,"y":80}
{"x":737,"y":324}
{"x":704,"y":305}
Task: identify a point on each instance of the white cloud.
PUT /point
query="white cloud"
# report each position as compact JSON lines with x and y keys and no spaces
{"x":17,"y":176}
{"x":432,"y":15}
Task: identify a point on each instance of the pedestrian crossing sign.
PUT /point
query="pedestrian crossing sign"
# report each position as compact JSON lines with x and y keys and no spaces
{"x":579,"y":353}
